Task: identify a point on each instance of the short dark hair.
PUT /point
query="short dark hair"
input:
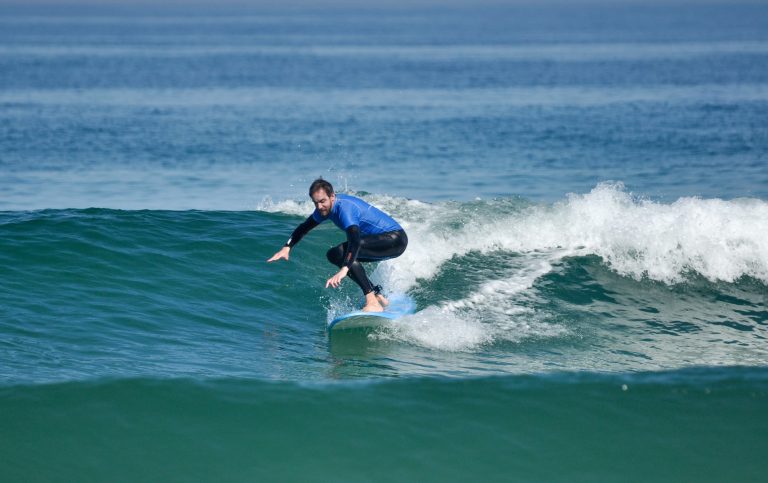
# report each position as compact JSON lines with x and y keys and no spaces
{"x":320,"y":184}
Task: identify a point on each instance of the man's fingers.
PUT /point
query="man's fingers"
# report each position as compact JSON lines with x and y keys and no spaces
{"x":332,"y":282}
{"x":277,"y":256}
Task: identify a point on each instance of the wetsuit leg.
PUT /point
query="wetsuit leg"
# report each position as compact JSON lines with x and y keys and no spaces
{"x":373,"y":248}
{"x":356,"y":271}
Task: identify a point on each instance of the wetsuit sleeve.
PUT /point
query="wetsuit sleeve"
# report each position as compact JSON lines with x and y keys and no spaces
{"x":300,"y":231}
{"x":353,"y":245}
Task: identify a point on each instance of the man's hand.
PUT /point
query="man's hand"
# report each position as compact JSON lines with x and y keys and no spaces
{"x":335,"y":281}
{"x":283,"y":253}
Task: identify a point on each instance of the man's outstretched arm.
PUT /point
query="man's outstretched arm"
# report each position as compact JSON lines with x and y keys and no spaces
{"x":297,"y":235}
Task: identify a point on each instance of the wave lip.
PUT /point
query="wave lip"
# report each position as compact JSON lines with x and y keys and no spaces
{"x":717,"y":239}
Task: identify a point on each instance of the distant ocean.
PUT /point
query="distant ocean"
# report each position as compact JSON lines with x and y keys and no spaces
{"x":584,"y":187}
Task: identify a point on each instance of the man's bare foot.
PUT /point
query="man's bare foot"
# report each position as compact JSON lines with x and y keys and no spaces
{"x":382,"y":300}
{"x":372,"y":304}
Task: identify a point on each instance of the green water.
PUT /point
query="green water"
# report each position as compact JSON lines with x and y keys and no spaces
{"x":703,"y":425}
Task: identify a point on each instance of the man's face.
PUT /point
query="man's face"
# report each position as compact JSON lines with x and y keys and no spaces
{"x":323,"y":202}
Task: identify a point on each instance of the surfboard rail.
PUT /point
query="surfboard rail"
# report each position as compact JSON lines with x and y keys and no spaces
{"x":398,"y":307}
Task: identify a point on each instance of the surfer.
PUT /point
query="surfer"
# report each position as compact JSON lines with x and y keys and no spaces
{"x":372,"y":236}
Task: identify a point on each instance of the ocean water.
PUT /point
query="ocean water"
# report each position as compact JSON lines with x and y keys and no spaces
{"x":585,"y":190}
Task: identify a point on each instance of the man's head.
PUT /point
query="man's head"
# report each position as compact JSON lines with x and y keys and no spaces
{"x":322,"y":196}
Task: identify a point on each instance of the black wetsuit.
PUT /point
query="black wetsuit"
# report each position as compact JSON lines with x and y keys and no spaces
{"x":380,"y":238}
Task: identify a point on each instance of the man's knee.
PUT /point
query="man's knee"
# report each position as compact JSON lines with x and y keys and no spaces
{"x":335,"y":255}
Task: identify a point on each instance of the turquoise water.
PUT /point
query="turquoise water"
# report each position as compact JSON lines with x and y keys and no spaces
{"x":660,"y":426}
{"x":585,"y":193}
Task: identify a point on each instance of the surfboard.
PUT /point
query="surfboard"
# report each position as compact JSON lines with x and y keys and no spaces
{"x":399,"y":305}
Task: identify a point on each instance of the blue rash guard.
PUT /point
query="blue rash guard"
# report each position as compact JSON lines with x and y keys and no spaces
{"x":349,"y":210}
{"x":357,"y":218}
{"x":372,"y":235}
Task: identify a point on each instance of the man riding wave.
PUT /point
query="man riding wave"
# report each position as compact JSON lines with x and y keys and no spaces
{"x":372,"y":236}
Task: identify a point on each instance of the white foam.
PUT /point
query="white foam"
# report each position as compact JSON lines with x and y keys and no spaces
{"x":494,"y":296}
{"x":493,"y":313}
{"x":438,"y":329}
{"x":720,"y":240}
{"x":289,"y":207}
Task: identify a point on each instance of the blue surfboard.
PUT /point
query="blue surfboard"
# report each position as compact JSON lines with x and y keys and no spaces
{"x":399,"y":305}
